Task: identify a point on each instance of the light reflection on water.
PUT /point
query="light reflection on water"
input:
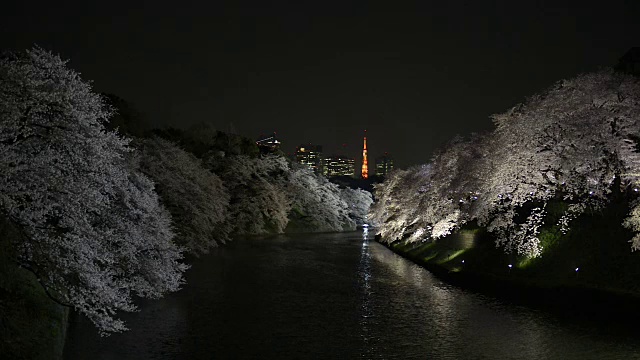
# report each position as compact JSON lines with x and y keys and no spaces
{"x":336,"y":296}
{"x":366,"y":311}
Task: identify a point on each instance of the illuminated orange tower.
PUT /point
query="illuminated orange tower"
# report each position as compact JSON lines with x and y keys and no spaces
{"x":365,"y":167}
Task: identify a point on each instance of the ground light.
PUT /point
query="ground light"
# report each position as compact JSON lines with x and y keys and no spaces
{"x":457,"y":268}
{"x":510,"y":266}
{"x":525,"y":262}
{"x":449,"y":256}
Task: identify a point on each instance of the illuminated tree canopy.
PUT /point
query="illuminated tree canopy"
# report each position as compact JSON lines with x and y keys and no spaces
{"x":104,"y":219}
{"x":195,"y":197}
{"x":577,"y":142}
{"x":95,"y":233}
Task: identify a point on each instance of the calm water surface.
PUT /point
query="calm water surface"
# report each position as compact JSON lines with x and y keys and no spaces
{"x":334,"y":296}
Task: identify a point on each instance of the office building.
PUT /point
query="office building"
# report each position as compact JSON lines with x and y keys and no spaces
{"x":384,"y":165}
{"x":339,"y":166}
{"x":310,"y":155}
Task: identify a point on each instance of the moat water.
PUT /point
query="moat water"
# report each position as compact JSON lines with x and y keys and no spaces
{"x":338,"y":296}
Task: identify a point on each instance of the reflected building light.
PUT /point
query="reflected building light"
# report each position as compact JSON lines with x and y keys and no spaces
{"x":364,"y":270}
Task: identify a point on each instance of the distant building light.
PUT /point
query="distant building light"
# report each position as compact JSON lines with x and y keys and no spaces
{"x":384,"y":165}
{"x":339,"y":165}
{"x":310,"y":156}
{"x":269,"y":143}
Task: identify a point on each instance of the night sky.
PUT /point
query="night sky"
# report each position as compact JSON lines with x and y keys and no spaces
{"x":321,"y":72}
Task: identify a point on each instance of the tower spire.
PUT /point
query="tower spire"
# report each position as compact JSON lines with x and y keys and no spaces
{"x":365,"y":167}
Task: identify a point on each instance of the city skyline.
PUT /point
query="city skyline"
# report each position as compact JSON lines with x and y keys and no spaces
{"x":344,"y":151}
{"x":413,"y":75}
{"x":334,"y":164}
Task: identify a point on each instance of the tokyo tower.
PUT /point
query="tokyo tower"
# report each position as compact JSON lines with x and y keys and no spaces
{"x":365,"y":167}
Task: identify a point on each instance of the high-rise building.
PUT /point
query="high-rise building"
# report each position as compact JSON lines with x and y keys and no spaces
{"x":310,"y":155}
{"x":384,"y":165}
{"x":365,"y":166}
{"x":339,"y":166}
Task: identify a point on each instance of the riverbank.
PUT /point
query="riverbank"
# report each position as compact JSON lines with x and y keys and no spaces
{"x":32,"y":326}
{"x":590,"y":271}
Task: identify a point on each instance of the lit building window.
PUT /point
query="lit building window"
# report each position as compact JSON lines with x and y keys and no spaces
{"x":268,"y":143}
{"x":384,"y":165}
{"x":339,"y":166}
{"x":310,"y":155}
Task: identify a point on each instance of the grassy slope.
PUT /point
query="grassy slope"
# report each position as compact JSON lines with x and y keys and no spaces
{"x":31,"y":325}
{"x":597,"y":245}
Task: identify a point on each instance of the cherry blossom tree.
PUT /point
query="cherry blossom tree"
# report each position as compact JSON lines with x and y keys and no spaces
{"x":358,"y":201}
{"x":258,"y":203}
{"x":196,"y":198}
{"x":576,"y":143}
{"x":397,"y":204}
{"x":317,"y":203}
{"x":95,"y":233}
{"x":431,"y":201}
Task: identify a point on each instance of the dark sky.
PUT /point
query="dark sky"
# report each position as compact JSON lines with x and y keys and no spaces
{"x":321,"y":72}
